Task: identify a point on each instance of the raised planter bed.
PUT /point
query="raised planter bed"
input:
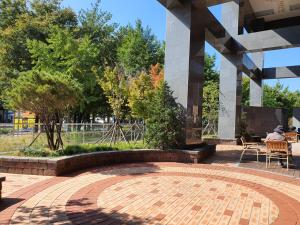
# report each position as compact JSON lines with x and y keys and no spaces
{"x":64,"y":165}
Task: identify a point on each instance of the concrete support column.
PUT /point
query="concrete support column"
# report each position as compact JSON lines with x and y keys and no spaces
{"x":256,"y":88}
{"x":230,"y":79}
{"x":184,"y":66}
{"x":296,"y":117}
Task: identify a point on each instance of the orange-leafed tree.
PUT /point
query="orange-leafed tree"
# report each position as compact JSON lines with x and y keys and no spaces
{"x":157,"y":74}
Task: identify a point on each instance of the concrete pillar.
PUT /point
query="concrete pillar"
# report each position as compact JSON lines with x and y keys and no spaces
{"x":256,"y":88}
{"x":296,"y":117}
{"x":230,"y":79}
{"x":184,"y":66}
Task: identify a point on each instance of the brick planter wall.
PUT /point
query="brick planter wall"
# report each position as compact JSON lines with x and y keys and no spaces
{"x":68,"y":164}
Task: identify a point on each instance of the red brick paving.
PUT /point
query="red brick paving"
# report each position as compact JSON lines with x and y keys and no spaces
{"x":194,"y":194}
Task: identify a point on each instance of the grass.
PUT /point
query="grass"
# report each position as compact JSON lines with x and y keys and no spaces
{"x":13,"y":143}
{"x":79,"y":149}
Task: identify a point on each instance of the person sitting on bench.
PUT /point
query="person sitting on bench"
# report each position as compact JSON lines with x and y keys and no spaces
{"x":277,"y":135}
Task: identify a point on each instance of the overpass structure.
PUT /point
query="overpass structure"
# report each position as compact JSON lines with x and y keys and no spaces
{"x":247,"y":29}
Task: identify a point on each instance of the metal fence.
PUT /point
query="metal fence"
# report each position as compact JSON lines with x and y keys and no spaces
{"x":14,"y":137}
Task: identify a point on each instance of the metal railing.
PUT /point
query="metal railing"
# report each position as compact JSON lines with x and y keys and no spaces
{"x":14,"y":137}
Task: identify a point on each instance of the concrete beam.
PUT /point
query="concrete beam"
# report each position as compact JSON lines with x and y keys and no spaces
{"x":288,"y":37}
{"x":169,"y":4}
{"x":281,"y":72}
{"x":221,"y":40}
{"x":173,"y":3}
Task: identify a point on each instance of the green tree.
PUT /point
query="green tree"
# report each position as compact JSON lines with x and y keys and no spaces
{"x":97,"y":24}
{"x":115,"y":88}
{"x":21,"y":20}
{"x":139,"y":49}
{"x":210,"y":73}
{"x":166,"y":119}
{"x":140,"y":93}
{"x":281,"y":97}
{"x":276,"y":96}
{"x":49,"y":95}
{"x":77,"y":57}
{"x":210,"y":93}
{"x":245,"y":91}
{"x":210,"y":102}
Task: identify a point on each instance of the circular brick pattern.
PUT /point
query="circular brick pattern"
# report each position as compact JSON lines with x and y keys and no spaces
{"x":159,"y":193}
{"x":186,"y":200}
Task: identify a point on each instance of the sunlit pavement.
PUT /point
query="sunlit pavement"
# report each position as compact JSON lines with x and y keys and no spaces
{"x":154,"y":193}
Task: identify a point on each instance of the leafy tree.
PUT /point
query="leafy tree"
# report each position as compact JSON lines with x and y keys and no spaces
{"x":210,"y":73}
{"x":281,"y":97}
{"x":96,"y":23}
{"x":246,"y":91}
{"x":165,"y":122}
{"x":157,"y":74}
{"x":277,"y":96}
{"x":210,"y":92}
{"x":21,"y":21}
{"x":140,"y":93}
{"x":210,"y":102}
{"x":50,"y":95}
{"x":115,"y":88}
{"x":139,"y":49}
{"x":77,"y":57}
{"x":10,"y":11}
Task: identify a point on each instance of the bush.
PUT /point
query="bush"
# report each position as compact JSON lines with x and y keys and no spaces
{"x":80,"y":149}
{"x":5,"y":131}
{"x":166,"y":120}
{"x":32,"y":152}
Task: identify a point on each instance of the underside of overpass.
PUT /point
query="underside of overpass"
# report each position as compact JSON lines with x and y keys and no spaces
{"x":247,"y":29}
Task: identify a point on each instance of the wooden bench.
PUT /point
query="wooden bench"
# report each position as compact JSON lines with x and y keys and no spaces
{"x":291,"y":137}
{"x":2,"y":179}
{"x":278,"y":150}
{"x":251,"y":147}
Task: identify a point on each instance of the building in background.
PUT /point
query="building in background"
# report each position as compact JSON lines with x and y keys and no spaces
{"x":24,"y":120}
{"x":6,"y":116}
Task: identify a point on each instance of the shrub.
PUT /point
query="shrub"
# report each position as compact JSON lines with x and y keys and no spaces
{"x":79,"y":149}
{"x":166,"y":119}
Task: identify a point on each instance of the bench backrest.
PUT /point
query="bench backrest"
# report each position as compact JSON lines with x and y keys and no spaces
{"x":277,"y":146}
{"x":291,"y":136}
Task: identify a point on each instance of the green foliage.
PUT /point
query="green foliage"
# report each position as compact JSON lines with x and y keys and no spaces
{"x":115,"y":88}
{"x":43,"y":93}
{"x":139,"y":49}
{"x":281,"y":97}
{"x":166,"y":120}
{"x":140,"y":93}
{"x":50,"y":95}
{"x":210,"y":101}
{"x":20,"y":21}
{"x":277,"y":96}
{"x":210,"y":73}
{"x":97,"y":24}
{"x":246,"y":91}
{"x":210,"y":91}
{"x":77,"y":57}
{"x":43,"y":35}
{"x":80,"y":149}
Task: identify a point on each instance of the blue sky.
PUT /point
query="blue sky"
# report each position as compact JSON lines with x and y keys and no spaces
{"x":153,"y":15}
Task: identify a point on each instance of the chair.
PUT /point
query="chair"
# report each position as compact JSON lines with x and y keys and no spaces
{"x":291,"y":137}
{"x":278,"y":150}
{"x":250,"y":146}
